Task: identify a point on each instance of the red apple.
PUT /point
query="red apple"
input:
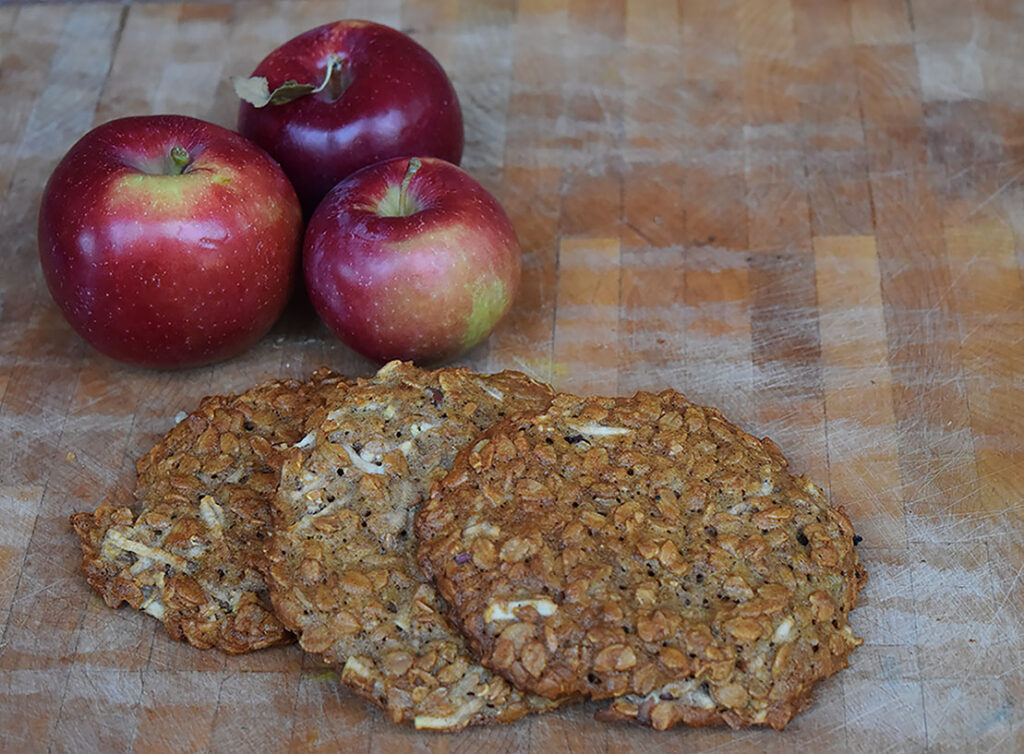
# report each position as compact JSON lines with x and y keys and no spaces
{"x":364,"y":93}
{"x":167,"y":241}
{"x":411,"y":259}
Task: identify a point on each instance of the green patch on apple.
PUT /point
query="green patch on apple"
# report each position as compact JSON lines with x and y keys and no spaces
{"x":168,"y":186}
{"x":490,"y":300}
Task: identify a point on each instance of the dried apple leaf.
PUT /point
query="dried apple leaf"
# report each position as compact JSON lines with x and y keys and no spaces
{"x":256,"y":89}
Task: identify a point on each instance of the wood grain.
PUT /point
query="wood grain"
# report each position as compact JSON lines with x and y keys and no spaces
{"x":809,"y":213}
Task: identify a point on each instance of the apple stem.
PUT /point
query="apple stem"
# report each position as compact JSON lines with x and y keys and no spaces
{"x":335,"y":81}
{"x":179,"y":160}
{"x":405,"y":206}
{"x":398,"y":201}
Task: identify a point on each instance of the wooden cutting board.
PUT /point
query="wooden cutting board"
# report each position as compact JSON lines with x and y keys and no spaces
{"x":807,"y":213}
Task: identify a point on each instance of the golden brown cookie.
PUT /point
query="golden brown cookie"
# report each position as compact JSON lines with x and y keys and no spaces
{"x":341,"y":560}
{"x":204,"y":492}
{"x":644,"y":549}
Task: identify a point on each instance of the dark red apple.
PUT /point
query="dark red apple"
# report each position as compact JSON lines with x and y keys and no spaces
{"x":346,"y":95}
{"x":411,"y":259}
{"x":167,"y":241}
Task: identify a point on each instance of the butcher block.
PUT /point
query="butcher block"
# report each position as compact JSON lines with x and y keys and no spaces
{"x":808,"y":213}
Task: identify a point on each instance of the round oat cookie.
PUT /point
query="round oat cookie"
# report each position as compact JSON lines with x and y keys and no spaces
{"x":341,"y":560}
{"x":645,"y":549}
{"x":187,"y":558}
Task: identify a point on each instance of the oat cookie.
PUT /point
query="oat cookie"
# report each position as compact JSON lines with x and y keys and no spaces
{"x":647,"y":550}
{"x":204,"y":492}
{"x":341,"y":560}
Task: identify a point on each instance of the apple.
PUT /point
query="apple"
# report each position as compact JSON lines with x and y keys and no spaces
{"x":346,"y":95}
{"x":167,"y":241}
{"x":411,"y":259}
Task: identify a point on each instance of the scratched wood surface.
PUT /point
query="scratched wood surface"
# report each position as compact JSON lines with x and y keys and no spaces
{"x":807,"y":213}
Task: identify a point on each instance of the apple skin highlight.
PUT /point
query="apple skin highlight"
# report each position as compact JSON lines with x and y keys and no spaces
{"x":161,"y":265}
{"x":425,"y":284}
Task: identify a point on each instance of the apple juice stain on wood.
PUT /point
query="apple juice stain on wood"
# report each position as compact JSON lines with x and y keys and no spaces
{"x":808,"y":214}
